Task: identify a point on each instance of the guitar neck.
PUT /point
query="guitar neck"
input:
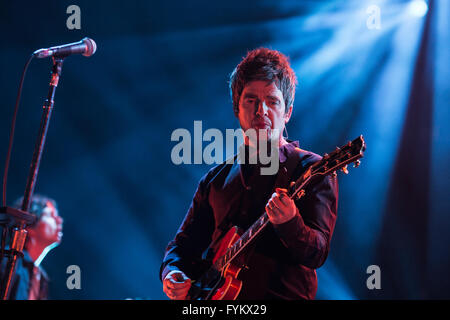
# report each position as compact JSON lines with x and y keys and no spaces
{"x":257,"y":227}
{"x":329,"y":164}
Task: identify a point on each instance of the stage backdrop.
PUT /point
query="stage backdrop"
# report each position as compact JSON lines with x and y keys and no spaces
{"x":375,"y":68}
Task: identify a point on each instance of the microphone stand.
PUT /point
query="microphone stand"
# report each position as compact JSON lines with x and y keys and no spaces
{"x":20,"y":219}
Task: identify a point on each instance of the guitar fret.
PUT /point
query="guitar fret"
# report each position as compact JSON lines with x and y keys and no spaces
{"x":257,"y":226}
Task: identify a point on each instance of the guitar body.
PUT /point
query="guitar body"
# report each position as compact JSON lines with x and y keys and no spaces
{"x":231,"y":286}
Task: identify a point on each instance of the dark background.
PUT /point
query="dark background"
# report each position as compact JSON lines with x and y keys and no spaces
{"x":161,"y":65}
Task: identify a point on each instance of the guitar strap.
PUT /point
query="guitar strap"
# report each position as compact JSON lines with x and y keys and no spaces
{"x":287,"y":170}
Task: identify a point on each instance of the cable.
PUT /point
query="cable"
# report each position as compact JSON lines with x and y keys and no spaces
{"x":13,"y":125}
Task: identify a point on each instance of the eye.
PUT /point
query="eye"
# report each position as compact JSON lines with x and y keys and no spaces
{"x":274,"y":102}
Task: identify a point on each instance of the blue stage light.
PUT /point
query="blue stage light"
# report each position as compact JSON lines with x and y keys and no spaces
{"x":418,"y":8}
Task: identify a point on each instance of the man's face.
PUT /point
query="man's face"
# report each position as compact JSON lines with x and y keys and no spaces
{"x":262,"y":108}
{"x":49,"y":228}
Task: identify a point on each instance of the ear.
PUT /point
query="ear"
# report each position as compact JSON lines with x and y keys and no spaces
{"x":288,"y":115}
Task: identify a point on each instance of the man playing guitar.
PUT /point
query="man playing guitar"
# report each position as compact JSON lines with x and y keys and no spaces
{"x":281,"y":263}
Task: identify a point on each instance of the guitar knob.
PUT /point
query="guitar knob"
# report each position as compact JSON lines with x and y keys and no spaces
{"x":356,"y":163}
{"x":344,"y":170}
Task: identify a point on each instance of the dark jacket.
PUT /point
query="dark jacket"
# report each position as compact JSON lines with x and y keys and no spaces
{"x":20,"y":286}
{"x":282,"y":261}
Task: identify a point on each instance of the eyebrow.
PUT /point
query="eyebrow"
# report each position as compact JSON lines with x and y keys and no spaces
{"x":274,"y":98}
{"x":252,"y":95}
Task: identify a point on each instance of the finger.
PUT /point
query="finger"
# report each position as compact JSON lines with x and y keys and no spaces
{"x":177,"y":285}
{"x":171,"y":296}
{"x":277,"y":211}
{"x":179,"y":281}
{"x":281,"y":191}
{"x":283,"y":195}
{"x":277,"y":202}
{"x":271,"y":210}
{"x":177,"y":295}
{"x":269,"y":205}
{"x":287,"y":201}
{"x":178,"y":292}
{"x":179,"y":278}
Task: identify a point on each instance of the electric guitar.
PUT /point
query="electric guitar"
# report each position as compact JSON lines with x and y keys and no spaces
{"x":220,"y":281}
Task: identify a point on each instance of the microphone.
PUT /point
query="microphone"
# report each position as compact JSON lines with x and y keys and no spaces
{"x":86,"y":47}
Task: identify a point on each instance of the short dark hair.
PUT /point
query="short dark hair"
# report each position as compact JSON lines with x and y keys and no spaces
{"x":37,"y":206}
{"x":267,"y":65}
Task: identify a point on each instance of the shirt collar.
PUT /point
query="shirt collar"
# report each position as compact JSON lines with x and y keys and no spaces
{"x":284,"y":152}
{"x":287,"y":149}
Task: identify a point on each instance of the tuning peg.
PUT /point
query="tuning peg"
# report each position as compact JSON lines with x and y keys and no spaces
{"x":356,"y":163}
{"x":344,"y":170}
{"x":300,"y":194}
{"x":291,"y":187}
{"x":338,"y":149}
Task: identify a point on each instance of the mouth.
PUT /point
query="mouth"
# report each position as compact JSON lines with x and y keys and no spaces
{"x":261,"y":124}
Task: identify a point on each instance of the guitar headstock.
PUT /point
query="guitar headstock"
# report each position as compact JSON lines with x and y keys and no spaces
{"x":341,"y":157}
{"x":330,"y":163}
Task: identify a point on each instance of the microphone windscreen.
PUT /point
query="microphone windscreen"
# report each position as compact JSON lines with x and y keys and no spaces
{"x":91,"y":47}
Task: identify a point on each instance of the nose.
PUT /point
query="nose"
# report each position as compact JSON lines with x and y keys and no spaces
{"x":261,"y":108}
